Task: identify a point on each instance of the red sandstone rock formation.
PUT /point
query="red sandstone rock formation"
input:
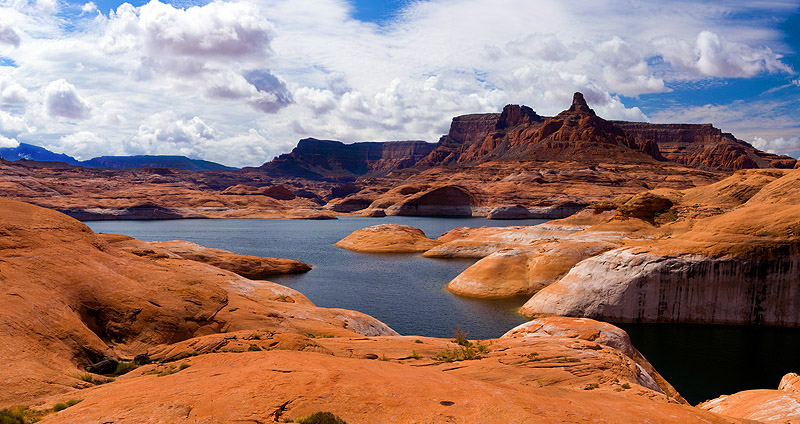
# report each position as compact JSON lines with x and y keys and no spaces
{"x":244,"y":265}
{"x":767,"y":406}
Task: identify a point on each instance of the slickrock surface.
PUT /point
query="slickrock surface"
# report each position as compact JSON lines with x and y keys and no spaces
{"x":717,"y":262}
{"x":244,"y":265}
{"x":767,"y":406}
{"x":515,"y":272}
{"x":69,"y":299}
{"x":387,"y":238}
{"x":549,"y":371}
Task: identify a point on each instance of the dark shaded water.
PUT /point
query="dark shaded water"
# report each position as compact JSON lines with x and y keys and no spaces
{"x":407,"y":292}
{"x":705,"y":361}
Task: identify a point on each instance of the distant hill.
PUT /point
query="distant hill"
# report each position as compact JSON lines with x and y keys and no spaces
{"x":39,"y":154}
{"x":328,"y":159}
{"x":178,"y":162}
{"x":30,"y":152}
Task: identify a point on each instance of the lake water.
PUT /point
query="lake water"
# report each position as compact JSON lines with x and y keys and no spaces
{"x":407,"y":292}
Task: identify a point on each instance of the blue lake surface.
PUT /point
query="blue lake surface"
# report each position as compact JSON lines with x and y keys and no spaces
{"x":407,"y":292}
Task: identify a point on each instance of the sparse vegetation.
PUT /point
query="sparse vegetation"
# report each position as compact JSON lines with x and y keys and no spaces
{"x":319,"y":336}
{"x":626,"y":386}
{"x":323,"y":417}
{"x":460,"y":337}
{"x":21,"y":415}
{"x":253,"y":348}
{"x":90,"y":378}
{"x":464,"y":352}
{"x":417,"y":341}
{"x":591,"y":386}
{"x":64,"y":405}
{"x":124,"y":368}
{"x":414,"y":354}
{"x":172,"y":369}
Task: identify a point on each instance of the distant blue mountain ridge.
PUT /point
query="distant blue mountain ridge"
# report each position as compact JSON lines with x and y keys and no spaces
{"x":35,"y":153}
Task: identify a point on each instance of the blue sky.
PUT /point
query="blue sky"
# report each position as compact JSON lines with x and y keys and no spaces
{"x":239,"y":81}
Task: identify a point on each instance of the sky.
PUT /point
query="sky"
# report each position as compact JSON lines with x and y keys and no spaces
{"x":241,"y":81}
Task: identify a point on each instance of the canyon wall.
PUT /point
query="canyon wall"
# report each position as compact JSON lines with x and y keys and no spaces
{"x":624,"y":286}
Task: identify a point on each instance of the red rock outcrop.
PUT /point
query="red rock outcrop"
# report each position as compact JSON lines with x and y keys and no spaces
{"x":69,"y":299}
{"x":736,"y":240}
{"x":521,"y":134}
{"x":702,"y":145}
{"x":387,"y":238}
{"x":327,"y":159}
{"x":244,"y":265}
{"x":766,"y":406}
{"x":548,"y":371}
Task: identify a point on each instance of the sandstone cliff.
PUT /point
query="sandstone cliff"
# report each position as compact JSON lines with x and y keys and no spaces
{"x":326,"y":159}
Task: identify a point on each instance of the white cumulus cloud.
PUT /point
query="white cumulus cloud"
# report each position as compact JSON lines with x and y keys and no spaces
{"x":62,"y":100}
{"x":8,"y":35}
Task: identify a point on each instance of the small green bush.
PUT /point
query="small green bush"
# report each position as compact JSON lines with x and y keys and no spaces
{"x":183,"y":366}
{"x":60,"y":407}
{"x":12,"y":416}
{"x":253,"y":348}
{"x":626,"y":386}
{"x":321,"y":418}
{"x":124,"y":368}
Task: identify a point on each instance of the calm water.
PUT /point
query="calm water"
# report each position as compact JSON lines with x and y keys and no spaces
{"x":407,"y":292}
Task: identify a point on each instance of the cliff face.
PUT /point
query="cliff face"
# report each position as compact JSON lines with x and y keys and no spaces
{"x":518,"y":133}
{"x":624,"y":286}
{"x":577,"y":133}
{"x":702,"y":145}
{"x":327,"y":159}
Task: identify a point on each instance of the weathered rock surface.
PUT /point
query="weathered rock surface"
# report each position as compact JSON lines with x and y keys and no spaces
{"x":387,"y":238}
{"x":69,"y":299}
{"x":767,"y":406}
{"x":451,"y":200}
{"x":725,"y":253}
{"x":244,"y":265}
{"x":516,"y":272}
{"x":702,"y":145}
{"x":548,"y":371}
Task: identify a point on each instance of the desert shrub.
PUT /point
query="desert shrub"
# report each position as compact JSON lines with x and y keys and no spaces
{"x":460,"y":337}
{"x":12,"y":416}
{"x":124,"y":368}
{"x":253,"y":348}
{"x":183,"y":366}
{"x":321,"y":418}
{"x":463,"y":352}
{"x":60,"y":407}
{"x":89,"y":378}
